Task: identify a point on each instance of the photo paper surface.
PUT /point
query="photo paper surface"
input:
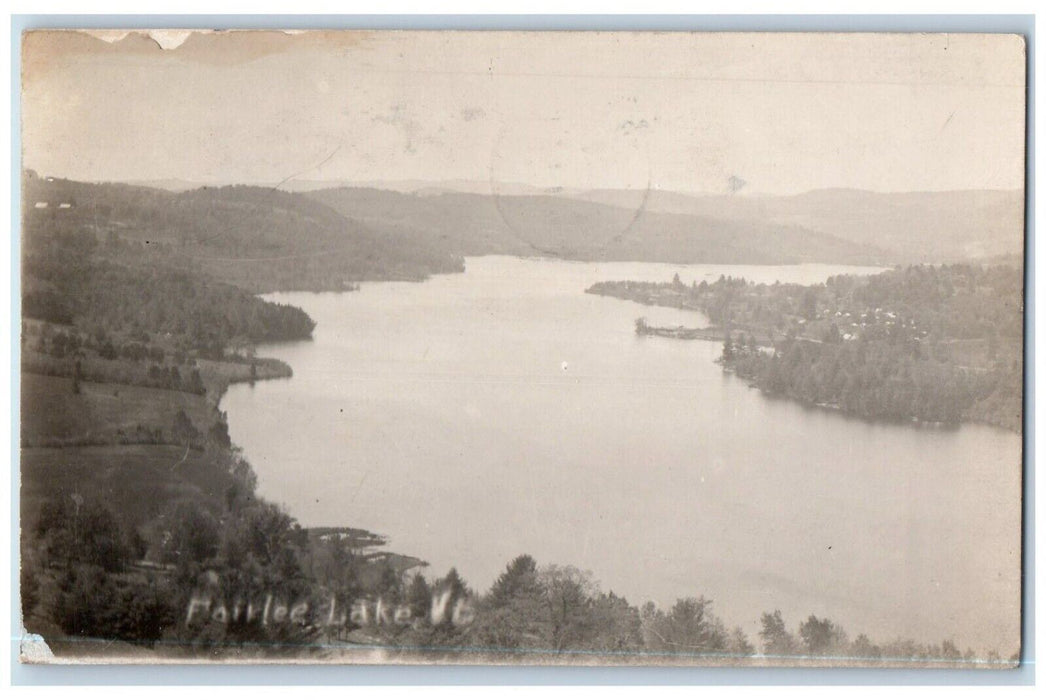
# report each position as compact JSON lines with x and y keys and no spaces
{"x":583,"y":348}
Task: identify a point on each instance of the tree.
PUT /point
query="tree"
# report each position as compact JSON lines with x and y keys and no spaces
{"x":419,"y":596}
{"x":193,"y":534}
{"x":141,"y":612}
{"x":616,"y":625}
{"x":77,"y":377}
{"x":83,"y":603}
{"x":390,"y":584}
{"x":515,"y":613}
{"x":218,"y":435}
{"x":809,"y":304}
{"x":739,"y":644}
{"x":728,"y":349}
{"x":862,"y":648}
{"x":777,"y":641}
{"x":79,"y":530}
{"x":449,"y":594}
{"x":184,"y":431}
{"x":270,"y":536}
{"x":821,"y":636}
{"x":949,"y":650}
{"x":196,"y":385}
{"x":520,"y":579}
{"x":688,"y":628}
{"x":453,"y":583}
{"x":568,"y":597}
{"x":91,"y":603}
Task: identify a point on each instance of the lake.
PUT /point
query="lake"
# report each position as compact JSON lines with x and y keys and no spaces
{"x":474,"y":417}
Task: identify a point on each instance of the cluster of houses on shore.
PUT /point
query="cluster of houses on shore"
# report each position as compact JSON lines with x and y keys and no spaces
{"x":850,"y":324}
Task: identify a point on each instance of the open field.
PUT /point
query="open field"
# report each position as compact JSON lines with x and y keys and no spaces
{"x":52,"y":415}
{"x":218,"y":375}
{"x":113,"y":442}
{"x":139,"y":480}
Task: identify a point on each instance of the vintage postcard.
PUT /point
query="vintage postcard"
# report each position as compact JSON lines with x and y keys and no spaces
{"x":522,"y":348}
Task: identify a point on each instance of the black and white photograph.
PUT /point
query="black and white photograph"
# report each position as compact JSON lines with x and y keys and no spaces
{"x":574,"y":348}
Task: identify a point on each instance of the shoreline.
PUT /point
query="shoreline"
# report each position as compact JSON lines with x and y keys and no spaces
{"x":278,"y":369}
{"x":757,"y":342}
{"x":710,"y":333}
{"x":839,"y":410}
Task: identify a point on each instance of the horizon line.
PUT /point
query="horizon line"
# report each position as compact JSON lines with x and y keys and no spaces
{"x":418,"y":184}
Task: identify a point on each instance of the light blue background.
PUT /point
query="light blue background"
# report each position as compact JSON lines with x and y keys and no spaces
{"x":478,"y":675}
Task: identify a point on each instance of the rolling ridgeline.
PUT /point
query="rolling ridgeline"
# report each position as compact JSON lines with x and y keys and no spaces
{"x":139,"y":308}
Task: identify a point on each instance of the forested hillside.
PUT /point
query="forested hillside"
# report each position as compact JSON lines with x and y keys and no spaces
{"x":115,"y":289}
{"x":260,"y":239}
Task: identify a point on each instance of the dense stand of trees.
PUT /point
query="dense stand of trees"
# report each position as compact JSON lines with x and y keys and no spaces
{"x":933,"y":344}
{"x":69,"y":281}
{"x":939,"y":344}
{"x":248,"y":574}
{"x":883,"y":381}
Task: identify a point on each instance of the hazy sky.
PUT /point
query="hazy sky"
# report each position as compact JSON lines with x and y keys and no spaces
{"x":783,"y":113}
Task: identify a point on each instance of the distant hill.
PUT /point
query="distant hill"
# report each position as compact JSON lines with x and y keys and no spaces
{"x":258,"y":238}
{"x":423,"y":187}
{"x":932,"y":227}
{"x":172,"y":185}
{"x":263,"y":238}
{"x":555,"y":225}
{"x":915,"y":227}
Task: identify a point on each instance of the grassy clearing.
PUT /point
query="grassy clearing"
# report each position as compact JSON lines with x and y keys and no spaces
{"x":114,"y":442}
{"x":52,"y":415}
{"x":138,"y":480}
{"x":218,"y":375}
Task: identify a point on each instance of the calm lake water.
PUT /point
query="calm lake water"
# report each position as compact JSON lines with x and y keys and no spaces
{"x":478,"y":416}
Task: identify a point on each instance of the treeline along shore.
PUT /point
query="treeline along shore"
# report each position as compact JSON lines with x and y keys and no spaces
{"x":142,"y":532}
{"x":934,"y":344}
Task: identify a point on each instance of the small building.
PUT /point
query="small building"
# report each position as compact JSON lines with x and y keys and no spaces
{"x":41,"y":205}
